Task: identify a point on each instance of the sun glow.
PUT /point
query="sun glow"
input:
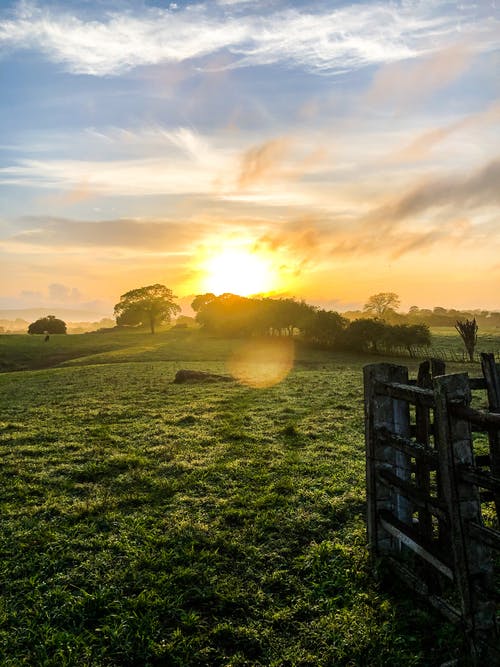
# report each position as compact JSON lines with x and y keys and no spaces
{"x":238,"y":271}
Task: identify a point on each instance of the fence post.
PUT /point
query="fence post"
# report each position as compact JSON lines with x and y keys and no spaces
{"x":384,"y":412}
{"x":491,"y":375}
{"x":472,"y":559}
{"x":427,"y":370}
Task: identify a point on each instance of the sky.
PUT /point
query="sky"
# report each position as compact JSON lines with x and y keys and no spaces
{"x":324,"y":150}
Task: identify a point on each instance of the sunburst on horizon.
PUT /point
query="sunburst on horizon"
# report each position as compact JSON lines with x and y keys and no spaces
{"x":239,"y":271}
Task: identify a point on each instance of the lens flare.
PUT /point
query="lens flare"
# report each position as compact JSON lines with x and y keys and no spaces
{"x":262,"y":363}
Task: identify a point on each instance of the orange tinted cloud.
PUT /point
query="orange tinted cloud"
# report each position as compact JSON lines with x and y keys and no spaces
{"x":262,"y":162}
{"x":406,"y":83}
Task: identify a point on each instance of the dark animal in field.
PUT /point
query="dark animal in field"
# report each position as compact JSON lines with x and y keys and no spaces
{"x":184,"y":375}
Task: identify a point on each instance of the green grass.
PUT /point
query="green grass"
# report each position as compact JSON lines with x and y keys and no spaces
{"x":23,"y":352}
{"x":148,"y":523}
{"x":447,"y":344}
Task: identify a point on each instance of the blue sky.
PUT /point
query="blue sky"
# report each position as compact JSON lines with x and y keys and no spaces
{"x":354,"y":146}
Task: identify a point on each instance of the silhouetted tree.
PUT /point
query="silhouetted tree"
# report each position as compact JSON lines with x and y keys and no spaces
{"x":324,"y":327}
{"x":201,"y":300}
{"x":468,"y":332}
{"x":49,"y":324}
{"x":365,"y":334}
{"x":227,"y":314}
{"x":408,"y":336}
{"x":150,"y":305}
{"x":287,"y":315}
{"x":382,"y":304}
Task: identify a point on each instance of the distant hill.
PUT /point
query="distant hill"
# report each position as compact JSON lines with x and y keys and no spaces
{"x":66,"y":314}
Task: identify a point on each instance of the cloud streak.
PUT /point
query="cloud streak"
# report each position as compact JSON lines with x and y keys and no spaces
{"x":422,"y":145}
{"x":325,"y":41}
{"x":144,"y":236}
{"x":462,"y":191}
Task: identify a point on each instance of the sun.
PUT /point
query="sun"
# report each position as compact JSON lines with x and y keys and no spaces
{"x":238,"y":271}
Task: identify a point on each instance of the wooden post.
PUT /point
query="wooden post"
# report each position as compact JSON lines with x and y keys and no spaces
{"x":491,"y":374}
{"x":471,"y":558}
{"x":423,"y":430}
{"x":422,"y":434}
{"x":384,"y":412}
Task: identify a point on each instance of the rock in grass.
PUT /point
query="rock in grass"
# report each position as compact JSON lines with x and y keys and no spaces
{"x":184,"y":375}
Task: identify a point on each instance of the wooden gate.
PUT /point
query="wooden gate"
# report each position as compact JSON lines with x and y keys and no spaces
{"x":433,"y":490}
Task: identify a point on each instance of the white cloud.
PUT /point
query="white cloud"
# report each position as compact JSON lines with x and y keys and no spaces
{"x":330,"y":40}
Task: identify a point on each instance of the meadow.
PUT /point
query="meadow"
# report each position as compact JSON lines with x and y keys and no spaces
{"x":150,"y":523}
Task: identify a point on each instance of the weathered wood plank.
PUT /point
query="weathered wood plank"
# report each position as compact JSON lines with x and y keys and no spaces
{"x":472,"y":558}
{"x":416,"y":495}
{"x":383,"y":412}
{"x":420,"y":587}
{"x":414,"y":542}
{"x":410,"y":447}
{"x":492,"y":381}
{"x":487,"y":535}
{"x":487,"y":419}
{"x":477,"y":383}
{"x":485,"y":480}
{"x":423,"y":435}
{"x":405,"y":392}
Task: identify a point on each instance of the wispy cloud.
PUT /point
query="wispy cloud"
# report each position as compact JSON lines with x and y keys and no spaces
{"x":139,"y":177}
{"x":406,"y":224}
{"x":262,"y":162}
{"x":153,"y":236}
{"x":422,"y":145}
{"x":178,"y":161}
{"x":328,"y":40}
{"x":402,"y":84}
{"x":461,"y":191}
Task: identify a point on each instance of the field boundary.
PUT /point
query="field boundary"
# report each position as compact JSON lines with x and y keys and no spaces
{"x":428,"y":491}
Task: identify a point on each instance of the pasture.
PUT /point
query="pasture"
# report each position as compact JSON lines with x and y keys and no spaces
{"x":149,"y":523}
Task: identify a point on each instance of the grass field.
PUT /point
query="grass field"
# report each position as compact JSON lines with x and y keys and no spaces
{"x":149,"y":523}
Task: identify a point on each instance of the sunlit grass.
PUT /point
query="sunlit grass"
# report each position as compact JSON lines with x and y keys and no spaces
{"x":149,"y":523}
{"x":145,"y":522}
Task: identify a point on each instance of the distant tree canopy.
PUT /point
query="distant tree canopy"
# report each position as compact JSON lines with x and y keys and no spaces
{"x":234,"y":315}
{"x":151,"y":305}
{"x":382,"y":305}
{"x":49,"y":324}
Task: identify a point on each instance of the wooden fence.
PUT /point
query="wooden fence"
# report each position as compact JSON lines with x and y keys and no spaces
{"x":433,"y":490}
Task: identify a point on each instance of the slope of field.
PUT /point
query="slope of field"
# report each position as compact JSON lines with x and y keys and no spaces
{"x":23,"y":352}
{"x":149,"y":523}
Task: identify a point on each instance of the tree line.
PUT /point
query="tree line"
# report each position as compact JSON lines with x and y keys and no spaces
{"x":233,"y":315}
{"x":384,"y":330}
{"x":385,"y":305}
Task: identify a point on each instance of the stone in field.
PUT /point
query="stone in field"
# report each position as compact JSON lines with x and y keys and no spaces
{"x":184,"y":375}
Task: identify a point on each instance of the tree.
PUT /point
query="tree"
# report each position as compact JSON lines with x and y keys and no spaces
{"x":409,"y":336}
{"x":324,"y":327}
{"x":382,"y":304}
{"x":150,"y":305}
{"x":201,"y":300}
{"x":49,"y":324}
{"x":365,"y":334}
{"x":468,"y":332}
{"x":286,"y":315}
